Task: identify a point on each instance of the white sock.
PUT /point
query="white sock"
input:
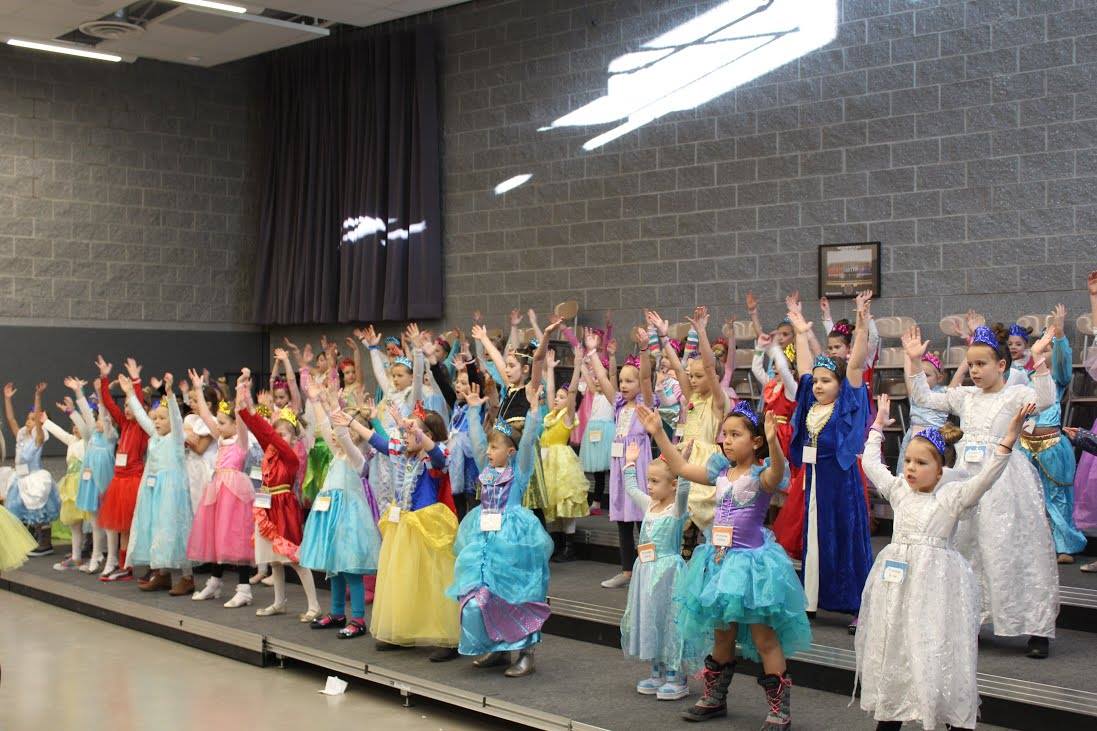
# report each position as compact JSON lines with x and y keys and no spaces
{"x":263,"y":569}
{"x":279,"y":574}
{"x":569,"y":525}
{"x":77,"y":541}
{"x":98,"y":537}
{"x":112,"y":548}
{"x":308,"y":585}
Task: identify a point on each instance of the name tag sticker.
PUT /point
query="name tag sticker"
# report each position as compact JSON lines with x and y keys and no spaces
{"x":394,"y":514}
{"x":121,"y":459}
{"x":256,"y":473}
{"x":262,"y":500}
{"x":617,"y":450}
{"x":722,"y":535}
{"x":85,"y":475}
{"x":646,"y":552}
{"x":809,"y":455}
{"x":322,"y":504}
{"x":595,"y":436}
{"x":975,"y":453}
{"x":22,"y":470}
{"x":491,"y":522}
{"x":895,"y":572}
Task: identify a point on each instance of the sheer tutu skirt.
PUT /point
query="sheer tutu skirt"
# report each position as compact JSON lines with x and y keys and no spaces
{"x":565,"y":484}
{"x":224,"y":524}
{"x":342,"y":539}
{"x":68,"y":489}
{"x":648,"y":628}
{"x":15,"y":541}
{"x":161,"y":523}
{"x":118,"y":503}
{"x":595,"y":455}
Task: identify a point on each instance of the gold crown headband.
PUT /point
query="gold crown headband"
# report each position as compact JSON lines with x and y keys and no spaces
{"x":224,"y":408}
{"x":287,"y":414}
{"x":263,"y":410}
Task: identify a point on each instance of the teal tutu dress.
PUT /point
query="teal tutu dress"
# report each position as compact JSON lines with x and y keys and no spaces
{"x":344,"y":537}
{"x":163,"y":515}
{"x":501,"y":577}
{"x":752,"y":582}
{"x":96,"y":473}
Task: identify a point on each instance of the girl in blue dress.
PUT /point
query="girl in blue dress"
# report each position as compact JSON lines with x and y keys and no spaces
{"x":341,"y":537}
{"x":32,"y":495}
{"x":501,"y":574}
{"x":163,"y":514}
{"x":740,"y":575}
{"x":98,"y":468}
{"x":829,"y":427}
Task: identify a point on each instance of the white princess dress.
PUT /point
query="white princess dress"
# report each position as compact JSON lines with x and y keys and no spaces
{"x":1006,"y":536}
{"x":917,"y":638}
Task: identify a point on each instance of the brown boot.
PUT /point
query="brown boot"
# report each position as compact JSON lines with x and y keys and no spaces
{"x":183,"y":587}
{"x":158,"y":582}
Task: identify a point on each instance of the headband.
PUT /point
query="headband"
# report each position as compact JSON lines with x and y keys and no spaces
{"x":401,"y":360}
{"x":263,"y":410}
{"x":224,"y":408}
{"x":633,"y":360}
{"x":983,"y":335}
{"x":933,"y":360}
{"x":390,"y":340}
{"x":934,"y":437}
{"x":745,"y":410}
{"x":1016,"y":330}
{"x":504,"y":428}
{"x":843,"y":328}
{"x":418,"y":412}
{"x":825,"y":361}
{"x":287,"y":414}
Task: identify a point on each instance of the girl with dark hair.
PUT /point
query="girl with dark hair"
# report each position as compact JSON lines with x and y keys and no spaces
{"x":917,"y":642}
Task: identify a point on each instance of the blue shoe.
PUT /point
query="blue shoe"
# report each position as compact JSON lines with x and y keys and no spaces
{"x":674,"y":689}
{"x":650,"y":685}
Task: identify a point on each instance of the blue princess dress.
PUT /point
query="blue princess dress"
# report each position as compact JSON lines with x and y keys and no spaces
{"x":837,"y":549}
{"x":648,"y":629}
{"x":501,"y":575}
{"x":750,"y":582}
{"x":31,"y":495}
{"x":341,"y":536}
{"x":163,"y":515}
{"x":98,"y":468}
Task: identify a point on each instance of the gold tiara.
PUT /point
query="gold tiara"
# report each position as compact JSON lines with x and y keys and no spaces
{"x":224,"y":408}
{"x":263,"y":410}
{"x":287,"y":414}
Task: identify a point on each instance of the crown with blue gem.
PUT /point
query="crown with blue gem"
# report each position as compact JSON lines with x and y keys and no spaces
{"x":401,"y":360}
{"x":983,"y":335}
{"x":933,"y":436}
{"x":1017,"y":331}
{"x":745,"y":410}
{"x":825,"y":361}
{"x":503,"y":428}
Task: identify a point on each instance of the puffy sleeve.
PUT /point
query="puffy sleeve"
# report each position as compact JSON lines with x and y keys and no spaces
{"x":886,"y":483}
{"x":717,"y":464}
{"x":852,"y":411}
{"x":757,"y":470}
{"x":960,"y":495}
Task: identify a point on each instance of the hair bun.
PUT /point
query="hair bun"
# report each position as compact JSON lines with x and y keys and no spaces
{"x":951,"y":433}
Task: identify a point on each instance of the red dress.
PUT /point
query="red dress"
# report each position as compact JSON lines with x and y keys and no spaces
{"x":789,"y":525}
{"x":120,"y":498}
{"x":282,"y":522}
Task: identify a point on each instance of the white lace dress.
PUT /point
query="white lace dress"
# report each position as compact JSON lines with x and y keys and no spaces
{"x":917,"y":639}
{"x":1006,"y":536}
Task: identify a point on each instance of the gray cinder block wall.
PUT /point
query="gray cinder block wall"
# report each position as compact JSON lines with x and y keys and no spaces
{"x":961,"y":134}
{"x":127,"y":192}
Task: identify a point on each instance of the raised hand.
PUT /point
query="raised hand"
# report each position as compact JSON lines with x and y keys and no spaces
{"x":555,"y":323}
{"x":474,"y":398}
{"x":1017,"y":423}
{"x":479,"y":332}
{"x":661,"y":326}
{"x":195,"y":379}
{"x":611,"y":346}
{"x":632,"y":453}
{"x":125,"y":383}
{"x":550,"y":359}
{"x":824,"y":307}
{"x":281,"y":354}
{"x":103,"y":366}
{"x":169,"y":379}
{"x":793,"y":298}
{"x":913,"y":345}
{"x":590,"y":339}
{"x":1042,"y":347}
{"x":66,"y":405}
{"x":340,"y":418}
{"x":411,"y":333}
{"x":74,"y":383}
{"x":1058,"y":319}
{"x":532,"y":315}
{"x":133,"y":369}
{"x":765,"y":340}
{"x":515,"y":318}
{"x":265,"y":398}
{"x":9,"y":390}
{"x":799,"y":324}
{"x":729,"y":328}
{"x":290,"y":346}
{"x":40,"y":388}
{"x":699,"y":321}
{"x":752,"y":303}
{"x":371,"y":336}
{"x":769,"y":426}
{"x":883,"y":412}
{"x":973,"y":320}
{"x":649,"y":418}
{"x":640,"y":336}
{"x":155,"y":382}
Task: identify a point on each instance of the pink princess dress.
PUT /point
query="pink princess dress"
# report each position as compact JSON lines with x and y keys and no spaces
{"x":224,"y":524}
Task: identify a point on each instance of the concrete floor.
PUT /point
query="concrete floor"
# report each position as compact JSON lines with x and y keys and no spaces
{"x":63,"y":671}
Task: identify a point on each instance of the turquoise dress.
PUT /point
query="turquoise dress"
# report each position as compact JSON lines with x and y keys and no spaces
{"x":648,"y":627}
{"x":163,"y":514}
{"x":98,"y":468}
{"x":501,"y":577}
{"x":344,"y":538}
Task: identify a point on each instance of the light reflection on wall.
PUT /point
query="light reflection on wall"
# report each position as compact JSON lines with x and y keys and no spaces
{"x":358,"y":228}
{"x":702,"y":59}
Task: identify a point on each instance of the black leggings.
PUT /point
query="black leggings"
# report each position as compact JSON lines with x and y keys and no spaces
{"x":627,"y":538}
{"x":243,"y":571}
{"x":599,"y":486}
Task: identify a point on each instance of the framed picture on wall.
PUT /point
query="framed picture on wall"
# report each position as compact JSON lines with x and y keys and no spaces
{"x":846,"y":269}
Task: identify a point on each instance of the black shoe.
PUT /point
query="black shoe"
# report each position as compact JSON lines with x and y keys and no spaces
{"x":329,"y":621}
{"x":1038,"y":647}
{"x":382,"y":646}
{"x":41,"y":550}
{"x":444,"y":654}
{"x":567,"y":552}
{"x":811,"y":615}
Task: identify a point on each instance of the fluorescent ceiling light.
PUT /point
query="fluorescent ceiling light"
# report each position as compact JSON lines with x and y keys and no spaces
{"x":67,"y":50}
{"x":214,"y":6}
{"x":702,"y":59}
{"x":511,"y":183}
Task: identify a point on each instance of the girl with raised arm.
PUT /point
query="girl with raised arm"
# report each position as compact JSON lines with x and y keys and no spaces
{"x":32,"y":495}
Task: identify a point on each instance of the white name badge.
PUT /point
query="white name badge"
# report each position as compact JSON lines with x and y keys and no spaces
{"x":595,"y":436}
{"x":895,"y":572}
{"x":646,"y":551}
{"x":262,"y":500}
{"x":85,"y":475}
{"x":975,"y":453}
{"x":722,"y":535}
{"x":491,"y":522}
{"x":22,"y":470}
{"x":322,"y":504}
{"x":256,"y":473}
{"x":809,"y":455}
{"x":617,"y":450}
{"x":150,"y":482}
{"x":121,"y":459}
{"x":394,"y":514}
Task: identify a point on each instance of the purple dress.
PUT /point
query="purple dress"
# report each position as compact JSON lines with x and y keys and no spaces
{"x":621,"y":507}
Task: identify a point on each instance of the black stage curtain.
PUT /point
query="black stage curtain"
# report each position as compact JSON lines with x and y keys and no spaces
{"x":351,"y":130}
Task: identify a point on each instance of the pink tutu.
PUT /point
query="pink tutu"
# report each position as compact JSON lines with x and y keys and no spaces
{"x":1085,"y":491}
{"x":224,"y":525}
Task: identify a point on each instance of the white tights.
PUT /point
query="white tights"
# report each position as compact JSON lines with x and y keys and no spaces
{"x":112,"y":547}
{"x":279,"y":572}
{"x":77,"y":530}
{"x":566,"y":525}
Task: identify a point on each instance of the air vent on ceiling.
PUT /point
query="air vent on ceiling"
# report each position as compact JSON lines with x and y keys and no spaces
{"x":123,"y":23}
{"x":110,"y":30}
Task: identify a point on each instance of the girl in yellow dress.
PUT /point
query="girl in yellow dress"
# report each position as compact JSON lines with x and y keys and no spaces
{"x":15,"y":539}
{"x":562,"y":472}
{"x":705,"y":408}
